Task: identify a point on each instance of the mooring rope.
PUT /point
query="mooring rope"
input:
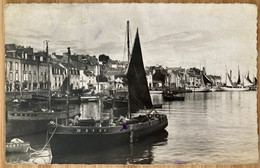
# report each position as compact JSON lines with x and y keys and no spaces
{"x":37,"y":153}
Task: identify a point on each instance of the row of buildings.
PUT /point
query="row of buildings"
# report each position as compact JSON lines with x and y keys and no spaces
{"x":177,"y":77}
{"x":27,"y":70}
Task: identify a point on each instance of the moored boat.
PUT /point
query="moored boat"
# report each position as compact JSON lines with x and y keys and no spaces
{"x":173,"y":98}
{"x":17,"y":145}
{"x":76,"y":138}
{"x":56,"y":98}
{"x":30,"y":122}
{"x":201,"y":89}
{"x":235,"y":87}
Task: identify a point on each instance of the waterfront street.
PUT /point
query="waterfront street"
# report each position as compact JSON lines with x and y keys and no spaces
{"x":213,"y":127}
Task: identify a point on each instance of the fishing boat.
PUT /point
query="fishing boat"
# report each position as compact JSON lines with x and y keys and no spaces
{"x":201,"y":89}
{"x":204,"y":83}
{"x":20,"y":122}
{"x":82,"y":137}
{"x":235,"y":87}
{"x":58,"y":99}
{"x":168,"y":97}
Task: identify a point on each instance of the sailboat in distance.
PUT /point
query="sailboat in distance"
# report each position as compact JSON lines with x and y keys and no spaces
{"x":87,"y":135}
{"x":231,"y":87}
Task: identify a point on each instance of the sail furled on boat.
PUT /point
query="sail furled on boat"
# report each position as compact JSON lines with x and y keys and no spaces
{"x":139,"y":96}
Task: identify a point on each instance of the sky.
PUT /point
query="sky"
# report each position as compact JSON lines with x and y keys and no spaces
{"x":215,"y":36}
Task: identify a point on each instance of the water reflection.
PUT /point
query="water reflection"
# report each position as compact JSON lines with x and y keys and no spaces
{"x":140,"y":152}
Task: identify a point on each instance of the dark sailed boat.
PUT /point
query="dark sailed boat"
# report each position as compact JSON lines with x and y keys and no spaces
{"x":85,"y":136}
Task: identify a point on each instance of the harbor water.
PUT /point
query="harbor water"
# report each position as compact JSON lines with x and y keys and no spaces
{"x":212,"y":128}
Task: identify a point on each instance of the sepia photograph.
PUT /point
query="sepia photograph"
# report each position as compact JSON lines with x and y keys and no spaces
{"x":131,"y":83}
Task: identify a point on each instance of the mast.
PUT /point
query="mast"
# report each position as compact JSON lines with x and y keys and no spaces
{"x":128,"y":42}
{"x":49,"y":83}
{"x":226,"y":75}
{"x":128,"y":56}
{"x":238,"y":80}
{"x":68,"y":87}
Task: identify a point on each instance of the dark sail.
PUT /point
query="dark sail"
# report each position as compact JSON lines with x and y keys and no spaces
{"x":248,"y":78}
{"x":139,"y":96}
{"x":238,"y":80}
{"x":206,"y":80}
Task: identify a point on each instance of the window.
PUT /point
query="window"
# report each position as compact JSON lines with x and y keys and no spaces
{"x":55,"y":79}
{"x":16,"y":66}
{"x":11,"y":65}
{"x":16,"y":76}
{"x":41,"y":58}
{"x":29,"y":69}
{"x":25,"y":56}
{"x":11,"y":76}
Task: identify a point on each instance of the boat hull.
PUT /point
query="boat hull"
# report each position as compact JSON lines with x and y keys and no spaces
{"x":78,"y":139}
{"x":17,"y":147}
{"x":56,"y":99}
{"x":174,"y":98}
{"x":26,"y":123}
{"x":201,"y":90}
{"x":233,"y":89}
{"x":17,"y":128}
